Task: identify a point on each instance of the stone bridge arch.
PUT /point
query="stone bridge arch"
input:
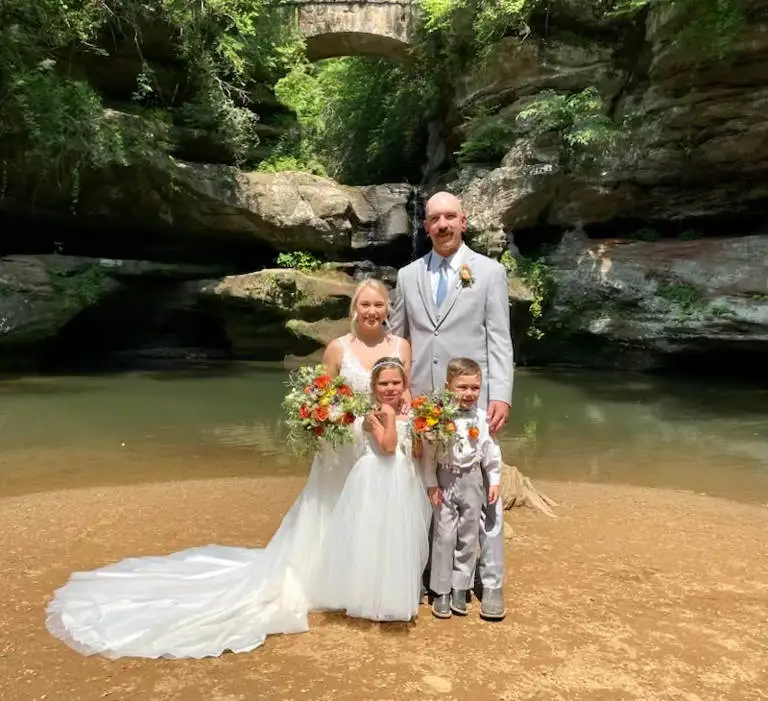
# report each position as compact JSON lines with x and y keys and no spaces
{"x":334,"y":28}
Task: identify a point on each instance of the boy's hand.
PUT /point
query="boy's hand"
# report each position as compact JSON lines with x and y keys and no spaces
{"x":418,"y":449}
{"x":435,"y":496}
{"x":493,"y":493}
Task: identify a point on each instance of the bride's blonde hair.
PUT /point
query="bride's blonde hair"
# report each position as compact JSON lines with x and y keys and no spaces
{"x":376,"y":285}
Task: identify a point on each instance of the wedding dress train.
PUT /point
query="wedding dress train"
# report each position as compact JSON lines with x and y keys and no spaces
{"x":204,"y":601}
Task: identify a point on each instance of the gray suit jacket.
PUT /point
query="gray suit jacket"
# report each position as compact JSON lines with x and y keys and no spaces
{"x":473,"y":322}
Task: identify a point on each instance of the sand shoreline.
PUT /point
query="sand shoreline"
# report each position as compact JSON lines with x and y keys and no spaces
{"x":633,"y":593}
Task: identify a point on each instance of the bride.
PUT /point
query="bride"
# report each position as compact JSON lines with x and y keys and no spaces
{"x":204,"y":601}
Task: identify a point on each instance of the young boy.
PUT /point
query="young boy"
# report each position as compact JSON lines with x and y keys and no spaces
{"x":456,"y":483}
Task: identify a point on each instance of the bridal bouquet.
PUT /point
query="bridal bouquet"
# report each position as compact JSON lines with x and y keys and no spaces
{"x":432,"y":417}
{"x":320,"y":409}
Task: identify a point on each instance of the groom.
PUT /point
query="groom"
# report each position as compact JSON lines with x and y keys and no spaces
{"x":454,"y":302}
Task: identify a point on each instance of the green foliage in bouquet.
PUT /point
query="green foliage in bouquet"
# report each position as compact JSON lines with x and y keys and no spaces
{"x":320,"y":409}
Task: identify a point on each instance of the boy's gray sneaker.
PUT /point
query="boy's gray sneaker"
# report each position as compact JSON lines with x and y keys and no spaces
{"x":441,"y":606}
{"x":459,"y":602}
{"x":492,"y":605}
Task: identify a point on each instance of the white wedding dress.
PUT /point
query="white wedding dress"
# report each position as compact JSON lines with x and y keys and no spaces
{"x":205,"y":601}
{"x":377,"y":542}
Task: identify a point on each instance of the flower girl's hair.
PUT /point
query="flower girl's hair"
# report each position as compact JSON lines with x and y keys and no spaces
{"x":383,"y":364}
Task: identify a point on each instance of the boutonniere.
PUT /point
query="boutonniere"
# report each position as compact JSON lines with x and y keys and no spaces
{"x":473,"y":433}
{"x":465,"y":276}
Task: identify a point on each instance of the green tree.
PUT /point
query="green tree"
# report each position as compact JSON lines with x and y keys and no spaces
{"x":59,"y":120}
{"x":363,"y":119}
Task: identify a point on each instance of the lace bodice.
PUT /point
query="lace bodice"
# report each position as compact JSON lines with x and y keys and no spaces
{"x":353,"y":371}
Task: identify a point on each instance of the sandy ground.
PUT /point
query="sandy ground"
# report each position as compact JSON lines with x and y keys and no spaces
{"x":632,"y":594}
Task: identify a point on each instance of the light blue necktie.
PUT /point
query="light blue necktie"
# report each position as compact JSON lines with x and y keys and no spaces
{"x":442,"y":283}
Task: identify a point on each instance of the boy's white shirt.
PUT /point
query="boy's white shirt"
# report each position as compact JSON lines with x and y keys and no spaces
{"x":464,"y":452}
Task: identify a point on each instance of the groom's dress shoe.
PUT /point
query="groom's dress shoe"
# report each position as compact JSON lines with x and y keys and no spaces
{"x":441,"y":606}
{"x":459,"y":602}
{"x":492,"y":605}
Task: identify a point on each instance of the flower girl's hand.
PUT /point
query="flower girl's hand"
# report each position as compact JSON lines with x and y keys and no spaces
{"x":385,"y":411}
{"x":435,"y":495}
{"x":405,"y":403}
{"x":493,"y":493}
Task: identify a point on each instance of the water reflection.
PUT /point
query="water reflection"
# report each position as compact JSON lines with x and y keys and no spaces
{"x":650,"y":431}
{"x":226,"y":420}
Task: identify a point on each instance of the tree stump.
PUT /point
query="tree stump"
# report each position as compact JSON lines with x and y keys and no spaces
{"x":518,"y":490}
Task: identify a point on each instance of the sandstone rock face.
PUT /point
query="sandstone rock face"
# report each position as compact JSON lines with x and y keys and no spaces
{"x":635,"y":303}
{"x":288,"y":211}
{"x":517,"y":70}
{"x":39,"y":295}
{"x":698,"y":147}
{"x":274,"y":313}
{"x":218,"y":203}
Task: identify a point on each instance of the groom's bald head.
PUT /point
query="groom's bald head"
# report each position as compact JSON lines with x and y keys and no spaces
{"x":443,"y":199}
{"x":445,"y":222}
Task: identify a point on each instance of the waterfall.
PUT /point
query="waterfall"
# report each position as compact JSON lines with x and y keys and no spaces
{"x":419,"y":241}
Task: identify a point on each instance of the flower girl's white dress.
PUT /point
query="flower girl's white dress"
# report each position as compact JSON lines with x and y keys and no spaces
{"x":377,"y":544}
{"x":204,"y":601}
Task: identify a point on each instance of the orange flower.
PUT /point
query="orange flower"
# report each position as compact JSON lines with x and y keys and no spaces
{"x":318,"y":430}
{"x":304,"y":412}
{"x":320,"y":413}
{"x":450,"y":427}
{"x":348,"y":418}
{"x":436,"y":412}
{"x":474,"y":433}
{"x":322,"y":382}
{"x":418,"y":401}
{"x":345,"y":391}
{"x":420,"y":424}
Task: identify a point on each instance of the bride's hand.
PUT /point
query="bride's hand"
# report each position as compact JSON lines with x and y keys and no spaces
{"x":405,"y":403}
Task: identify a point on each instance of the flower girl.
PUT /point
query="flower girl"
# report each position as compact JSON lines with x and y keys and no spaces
{"x":376,"y":546}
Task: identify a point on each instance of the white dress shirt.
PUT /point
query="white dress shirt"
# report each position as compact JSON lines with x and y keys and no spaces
{"x":464,"y":452}
{"x":455,"y":262}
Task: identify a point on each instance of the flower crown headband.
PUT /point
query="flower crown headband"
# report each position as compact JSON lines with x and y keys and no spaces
{"x":387,"y":363}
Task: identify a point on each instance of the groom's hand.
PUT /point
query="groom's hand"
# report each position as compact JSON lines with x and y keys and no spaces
{"x":498,"y":412}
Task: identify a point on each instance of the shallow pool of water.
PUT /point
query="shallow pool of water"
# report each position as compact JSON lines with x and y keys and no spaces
{"x":224,"y":420}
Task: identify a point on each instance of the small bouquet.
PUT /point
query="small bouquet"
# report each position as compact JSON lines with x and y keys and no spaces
{"x":433,"y":418}
{"x":320,"y":409}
